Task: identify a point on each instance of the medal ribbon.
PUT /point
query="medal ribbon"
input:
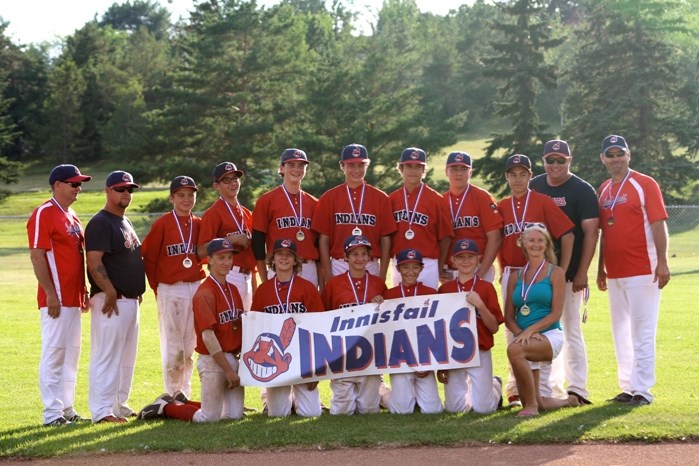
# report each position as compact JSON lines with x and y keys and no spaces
{"x":417,"y":201}
{"x":297,"y":215}
{"x":525,"y":292}
{"x":520,"y":225}
{"x":455,"y":215}
{"x":361,"y":203}
{"x":586,"y":298}
{"x":366,"y":286}
{"x":609,"y":188}
{"x":237,"y":223}
{"x":179,"y":228}
{"x":225,"y":296}
{"x":288,"y":292}
{"x":473,"y":284}
{"x":70,"y":219}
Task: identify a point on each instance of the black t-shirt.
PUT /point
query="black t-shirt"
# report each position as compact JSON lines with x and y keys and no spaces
{"x":578,"y":200}
{"x":116,"y":237}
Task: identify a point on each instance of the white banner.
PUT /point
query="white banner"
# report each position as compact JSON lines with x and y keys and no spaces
{"x":400,"y":335}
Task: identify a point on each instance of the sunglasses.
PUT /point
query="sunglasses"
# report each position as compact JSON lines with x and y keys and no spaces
{"x":124,"y":189}
{"x":72,"y":184}
{"x":611,"y":155}
{"x":537,"y":225}
{"x":555,"y":160}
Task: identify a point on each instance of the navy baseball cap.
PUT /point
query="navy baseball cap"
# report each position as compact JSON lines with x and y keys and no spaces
{"x":614,"y":141}
{"x":413,"y":155}
{"x":518,"y":160}
{"x":219,"y":245}
{"x":408,"y":255}
{"x":354,"y":153}
{"x":68,"y":173}
{"x":293,"y":155}
{"x":557,"y":147}
{"x":356,"y":241}
{"x":464,"y":246}
{"x":284,"y":244}
{"x":180,"y":182}
{"x":226,"y":168}
{"x":120,"y":178}
{"x":459,"y":158}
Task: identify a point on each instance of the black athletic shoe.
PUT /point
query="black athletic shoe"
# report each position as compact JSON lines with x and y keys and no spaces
{"x":638,"y":400}
{"x":621,"y":398}
{"x":78,"y":418}
{"x":58,"y":422}
{"x":155,"y":410}
{"x":180,"y":397}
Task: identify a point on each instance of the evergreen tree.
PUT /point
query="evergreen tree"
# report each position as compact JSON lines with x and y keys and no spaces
{"x":519,"y":63}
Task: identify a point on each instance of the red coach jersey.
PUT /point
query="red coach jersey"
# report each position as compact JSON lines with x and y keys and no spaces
{"x":213,"y":311}
{"x":60,"y":234}
{"x":403,"y":292}
{"x":274,"y":216}
{"x":474,"y":213}
{"x":334,"y":217}
{"x":629,"y":249}
{"x":539,"y":209}
{"x":166,"y":246}
{"x":344,"y":291}
{"x":487,"y":292}
{"x":217,"y":223}
{"x":430,"y":220}
{"x":275,"y":297}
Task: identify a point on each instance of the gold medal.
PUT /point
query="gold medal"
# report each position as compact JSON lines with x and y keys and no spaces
{"x":357,"y":231}
{"x":524,"y":310}
{"x":187,"y":262}
{"x":300,"y":236}
{"x":409,"y":234}
{"x":610,"y":222}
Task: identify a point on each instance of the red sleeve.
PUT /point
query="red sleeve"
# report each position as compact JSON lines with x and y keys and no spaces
{"x":150,"y":250}
{"x":655,"y":206}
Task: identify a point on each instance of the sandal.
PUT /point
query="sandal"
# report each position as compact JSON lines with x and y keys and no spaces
{"x":581,"y":399}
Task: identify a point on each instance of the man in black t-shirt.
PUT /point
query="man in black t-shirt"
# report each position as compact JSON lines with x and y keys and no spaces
{"x":117,"y":282}
{"x":578,"y":200}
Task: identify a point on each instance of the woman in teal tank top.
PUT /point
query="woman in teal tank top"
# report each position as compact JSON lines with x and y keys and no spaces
{"x":533,"y":307}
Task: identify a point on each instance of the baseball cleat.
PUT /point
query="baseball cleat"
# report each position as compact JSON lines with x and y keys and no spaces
{"x":621,"y":398}
{"x":58,"y":422}
{"x":78,"y":418}
{"x":112,"y":419}
{"x":638,"y":400}
{"x":180,"y":397}
{"x":513,"y":401}
{"x":156,"y":409}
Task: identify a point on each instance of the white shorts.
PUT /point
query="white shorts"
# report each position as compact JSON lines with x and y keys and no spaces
{"x":555,"y":338}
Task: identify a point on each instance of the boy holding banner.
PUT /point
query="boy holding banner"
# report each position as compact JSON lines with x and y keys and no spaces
{"x":418,"y":386}
{"x":474,"y":388}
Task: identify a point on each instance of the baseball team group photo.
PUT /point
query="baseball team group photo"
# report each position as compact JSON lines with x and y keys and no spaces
{"x":299,"y":267}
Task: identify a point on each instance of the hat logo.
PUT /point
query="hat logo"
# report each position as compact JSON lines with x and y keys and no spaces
{"x":225,"y":243}
{"x":285,"y":243}
{"x":414,"y":155}
{"x":613,"y":139}
{"x":228,"y":167}
{"x":464,"y":244}
{"x":556,"y":146}
{"x":298,"y":154}
{"x":515,"y":159}
{"x":356,"y":152}
{"x":184,"y":182}
{"x":458,"y":158}
{"x":410,"y":254}
{"x":126,"y":177}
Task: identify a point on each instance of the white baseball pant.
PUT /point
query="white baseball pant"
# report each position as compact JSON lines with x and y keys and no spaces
{"x":408,"y":389}
{"x":355,"y":394}
{"x":306,"y":402}
{"x":217,"y":400}
{"x":58,"y":367}
{"x":340,"y":266}
{"x":634,"y":304}
{"x":309,"y":271}
{"x":473,"y":388}
{"x":243,"y":282}
{"x":429,"y":275}
{"x":177,"y":335}
{"x":113,"y":347}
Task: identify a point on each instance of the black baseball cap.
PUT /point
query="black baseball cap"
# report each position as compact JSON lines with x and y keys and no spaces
{"x":67,"y":173}
{"x":120,"y":178}
{"x":518,"y":160}
{"x":225,"y":168}
{"x":180,"y":182}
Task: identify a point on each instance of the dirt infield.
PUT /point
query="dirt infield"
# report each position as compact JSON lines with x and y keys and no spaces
{"x":656,"y":454}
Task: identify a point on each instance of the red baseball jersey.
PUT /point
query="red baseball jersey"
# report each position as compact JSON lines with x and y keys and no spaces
{"x":403,"y":292}
{"x":345,"y":291}
{"x":274,"y":216}
{"x":474,"y":213}
{"x":489,"y":296}
{"x":629,"y":249}
{"x":430,"y":220}
{"x":217,"y":222}
{"x":213,"y":310}
{"x":60,"y":234}
{"x":539,"y":209}
{"x":275,"y":297}
{"x":335,"y":218}
{"x":166,"y":246}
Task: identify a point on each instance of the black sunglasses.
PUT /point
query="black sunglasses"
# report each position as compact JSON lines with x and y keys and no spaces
{"x":611,"y":155}
{"x":552,"y":160}
{"x":123,"y":189}
{"x":72,"y":184}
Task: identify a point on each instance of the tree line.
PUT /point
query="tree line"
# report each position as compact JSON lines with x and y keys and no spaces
{"x":238,"y":81}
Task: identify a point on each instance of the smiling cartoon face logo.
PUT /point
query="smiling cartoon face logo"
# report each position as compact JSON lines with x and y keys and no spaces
{"x":267,"y":359}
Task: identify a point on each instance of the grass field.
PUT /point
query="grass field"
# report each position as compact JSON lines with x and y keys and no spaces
{"x":673,"y":416}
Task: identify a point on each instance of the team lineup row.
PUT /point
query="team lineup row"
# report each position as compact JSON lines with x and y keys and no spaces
{"x":413,"y":221}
